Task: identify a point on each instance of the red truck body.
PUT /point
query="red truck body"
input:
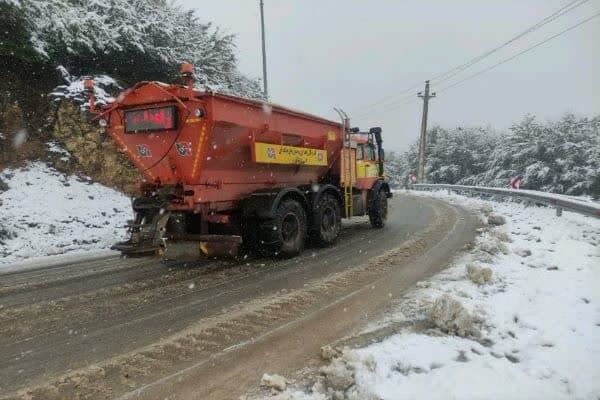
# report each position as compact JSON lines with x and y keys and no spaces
{"x":212,"y":155}
{"x":219,"y":170}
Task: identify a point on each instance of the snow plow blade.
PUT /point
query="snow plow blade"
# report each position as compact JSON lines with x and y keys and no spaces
{"x":198,"y":246}
{"x":135,"y":250}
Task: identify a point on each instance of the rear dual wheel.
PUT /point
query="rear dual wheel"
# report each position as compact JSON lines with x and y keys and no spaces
{"x":285,"y":235}
{"x":327,"y":221}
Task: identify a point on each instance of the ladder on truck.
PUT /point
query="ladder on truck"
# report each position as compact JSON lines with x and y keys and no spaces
{"x":348,"y":202}
{"x":346,"y":170}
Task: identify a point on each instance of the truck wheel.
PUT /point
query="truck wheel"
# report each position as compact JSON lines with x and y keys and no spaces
{"x":288,"y":230}
{"x":378,"y":209}
{"x":327,"y":221}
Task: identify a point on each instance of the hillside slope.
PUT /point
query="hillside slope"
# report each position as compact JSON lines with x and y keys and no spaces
{"x":45,"y":212}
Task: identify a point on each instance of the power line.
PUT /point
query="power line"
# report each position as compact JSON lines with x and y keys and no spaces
{"x":555,"y":15}
{"x":520,"y":53}
{"x":456,"y":70}
{"x":392,"y":96}
{"x":394,"y":106}
{"x":495,"y":65}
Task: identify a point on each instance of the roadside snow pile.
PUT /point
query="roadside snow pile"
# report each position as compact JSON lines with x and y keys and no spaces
{"x":57,"y":150}
{"x":274,"y":382}
{"x":450,"y":316}
{"x":479,"y":275}
{"x":531,"y":331}
{"x":74,"y":89}
{"x":494,"y":219}
{"x":43,"y":212}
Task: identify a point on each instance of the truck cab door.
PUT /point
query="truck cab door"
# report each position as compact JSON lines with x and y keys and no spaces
{"x":367,"y":161}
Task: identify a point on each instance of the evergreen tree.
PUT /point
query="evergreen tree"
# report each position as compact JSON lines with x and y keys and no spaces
{"x":131,"y":40}
{"x":561,"y":156}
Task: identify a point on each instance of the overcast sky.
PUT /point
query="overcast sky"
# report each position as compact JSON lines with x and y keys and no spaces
{"x":353,"y":53}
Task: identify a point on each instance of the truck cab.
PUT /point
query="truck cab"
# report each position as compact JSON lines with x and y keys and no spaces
{"x":367,"y":160}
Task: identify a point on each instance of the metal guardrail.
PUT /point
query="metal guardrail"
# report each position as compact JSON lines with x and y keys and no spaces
{"x":532,"y":196}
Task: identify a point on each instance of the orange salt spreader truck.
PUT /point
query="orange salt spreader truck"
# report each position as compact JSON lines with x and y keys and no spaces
{"x":222,"y":171}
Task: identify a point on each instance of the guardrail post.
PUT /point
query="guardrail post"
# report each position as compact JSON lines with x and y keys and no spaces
{"x":559,"y":211}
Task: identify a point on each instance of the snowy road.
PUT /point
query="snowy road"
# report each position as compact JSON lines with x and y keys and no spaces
{"x":132,"y":327}
{"x":517,"y":316}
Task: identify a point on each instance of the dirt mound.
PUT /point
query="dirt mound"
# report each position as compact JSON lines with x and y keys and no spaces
{"x":449,"y":315}
{"x":501,"y":235}
{"x":274,"y":382}
{"x":495,"y":219}
{"x":328,"y":353}
{"x":339,"y":376}
{"x":479,"y":275}
{"x":492,"y":245}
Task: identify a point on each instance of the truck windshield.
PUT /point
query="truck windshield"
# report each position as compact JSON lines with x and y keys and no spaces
{"x":371,"y":153}
{"x":360,"y":152}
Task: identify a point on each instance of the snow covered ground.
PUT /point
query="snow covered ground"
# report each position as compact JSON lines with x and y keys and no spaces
{"x":528,"y":330}
{"x":44,"y":212}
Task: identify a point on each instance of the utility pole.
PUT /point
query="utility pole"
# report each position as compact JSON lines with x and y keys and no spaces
{"x":264,"y":50}
{"x":423,"y":139}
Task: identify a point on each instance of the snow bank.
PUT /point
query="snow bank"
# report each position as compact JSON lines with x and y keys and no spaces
{"x":275,"y":382}
{"x":479,"y":275}
{"x":44,"y":212}
{"x":449,"y":315}
{"x":56,"y":149}
{"x":539,"y":319}
{"x":74,"y":90}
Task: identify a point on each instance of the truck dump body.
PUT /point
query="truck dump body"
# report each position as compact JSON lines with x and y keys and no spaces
{"x":234,"y":147}
{"x":221,"y":171}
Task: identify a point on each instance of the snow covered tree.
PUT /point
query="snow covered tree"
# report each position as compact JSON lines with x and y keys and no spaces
{"x":131,"y":40}
{"x":561,"y":156}
{"x":457,"y":154}
{"x":557,"y":156}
